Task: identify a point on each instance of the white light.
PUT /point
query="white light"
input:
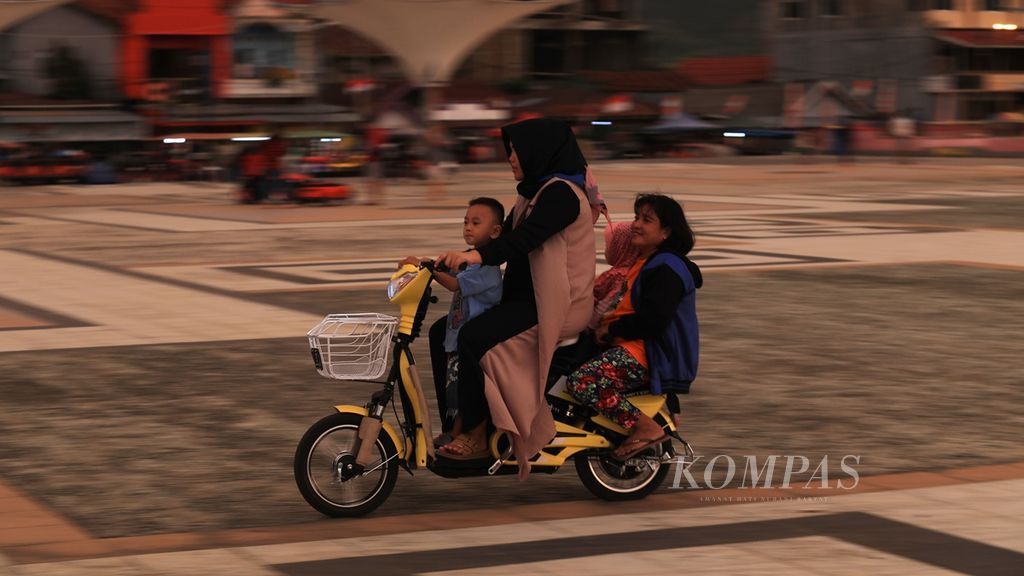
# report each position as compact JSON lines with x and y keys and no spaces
{"x":330,"y":139}
{"x":734,"y":134}
{"x":600,"y":123}
{"x":1004,"y":26}
{"x":250,"y":138}
{"x":174,"y":140}
{"x":395,"y":285}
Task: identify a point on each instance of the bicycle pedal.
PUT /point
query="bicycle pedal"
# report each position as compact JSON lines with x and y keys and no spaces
{"x":495,"y":467}
{"x":499,"y":462}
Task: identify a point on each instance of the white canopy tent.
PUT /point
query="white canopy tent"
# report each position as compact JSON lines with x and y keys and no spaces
{"x":429,"y":38}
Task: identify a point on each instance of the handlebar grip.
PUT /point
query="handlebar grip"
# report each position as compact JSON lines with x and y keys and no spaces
{"x":440,"y":266}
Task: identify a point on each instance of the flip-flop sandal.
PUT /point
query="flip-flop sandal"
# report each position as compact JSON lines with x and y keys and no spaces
{"x":637,"y":446}
{"x":470,"y":448}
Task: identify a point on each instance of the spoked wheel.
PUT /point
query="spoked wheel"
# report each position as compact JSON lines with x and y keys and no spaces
{"x":610,"y":479}
{"x":324,"y":464}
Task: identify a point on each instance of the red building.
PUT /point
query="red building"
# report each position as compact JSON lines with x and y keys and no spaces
{"x":168,"y":45}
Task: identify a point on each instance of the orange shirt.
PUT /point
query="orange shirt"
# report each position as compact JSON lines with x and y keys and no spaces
{"x":634,"y":347}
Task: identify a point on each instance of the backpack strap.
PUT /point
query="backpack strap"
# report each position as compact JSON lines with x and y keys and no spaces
{"x":671,"y":260}
{"x":524,"y":209}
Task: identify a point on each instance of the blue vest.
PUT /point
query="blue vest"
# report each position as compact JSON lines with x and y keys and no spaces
{"x":673,"y":355}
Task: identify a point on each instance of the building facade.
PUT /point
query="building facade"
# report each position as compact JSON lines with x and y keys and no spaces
{"x":941,"y":60}
{"x":174,"y":51}
{"x":272,"y":52}
{"x":978,"y":62}
{"x":28,"y":48}
{"x":583,"y":35}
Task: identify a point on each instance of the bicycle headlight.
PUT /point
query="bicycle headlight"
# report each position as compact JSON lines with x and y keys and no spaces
{"x":396,"y":284}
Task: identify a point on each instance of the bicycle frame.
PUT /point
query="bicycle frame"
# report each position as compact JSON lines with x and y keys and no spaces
{"x":370,"y":448}
{"x":414,"y":436}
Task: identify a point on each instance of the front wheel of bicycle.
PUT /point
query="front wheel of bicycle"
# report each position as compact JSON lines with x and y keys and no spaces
{"x":323,"y":461}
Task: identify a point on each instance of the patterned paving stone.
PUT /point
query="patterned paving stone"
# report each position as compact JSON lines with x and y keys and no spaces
{"x":151,"y":338}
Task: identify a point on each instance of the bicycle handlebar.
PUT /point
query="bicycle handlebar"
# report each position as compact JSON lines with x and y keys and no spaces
{"x":439,"y":267}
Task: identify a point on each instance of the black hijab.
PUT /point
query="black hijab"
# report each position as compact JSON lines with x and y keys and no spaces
{"x":545,"y":147}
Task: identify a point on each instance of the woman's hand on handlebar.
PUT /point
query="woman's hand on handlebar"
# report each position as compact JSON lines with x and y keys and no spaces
{"x":455,"y":259}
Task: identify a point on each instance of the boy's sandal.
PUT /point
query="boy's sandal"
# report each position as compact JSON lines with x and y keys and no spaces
{"x":464,"y":448}
{"x":443,"y":440}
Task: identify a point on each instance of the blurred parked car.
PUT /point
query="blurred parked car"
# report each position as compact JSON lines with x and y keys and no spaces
{"x":302,"y":188}
{"x":335,"y":164}
{"x":760,"y":141}
{"x":35,"y":168}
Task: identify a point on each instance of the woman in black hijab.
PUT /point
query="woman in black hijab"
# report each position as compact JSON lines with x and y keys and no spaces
{"x":551,"y":211}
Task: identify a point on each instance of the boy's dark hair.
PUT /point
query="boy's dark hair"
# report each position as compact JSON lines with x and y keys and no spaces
{"x":493,"y":204}
{"x":671,"y":215}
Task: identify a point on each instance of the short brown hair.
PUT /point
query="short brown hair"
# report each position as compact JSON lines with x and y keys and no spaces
{"x":491,"y":203}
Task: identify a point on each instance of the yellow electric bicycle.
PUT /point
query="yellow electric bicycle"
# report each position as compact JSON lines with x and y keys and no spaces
{"x":347,"y":463}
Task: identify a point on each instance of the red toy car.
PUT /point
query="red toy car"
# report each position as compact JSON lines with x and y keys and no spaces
{"x":303,"y":188}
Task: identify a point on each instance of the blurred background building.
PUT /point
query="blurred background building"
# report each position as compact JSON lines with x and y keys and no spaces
{"x":941,"y":60}
{"x":637,"y":77}
{"x":588,"y":35}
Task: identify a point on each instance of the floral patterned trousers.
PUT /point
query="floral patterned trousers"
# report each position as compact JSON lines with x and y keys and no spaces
{"x":601,"y":382}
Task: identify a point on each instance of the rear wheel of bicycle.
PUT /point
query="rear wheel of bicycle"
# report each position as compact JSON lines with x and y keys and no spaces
{"x":322,"y":459}
{"x":610,"y":479}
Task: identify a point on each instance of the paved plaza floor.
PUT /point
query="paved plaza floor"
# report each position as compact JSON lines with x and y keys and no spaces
{"x":154,"y":379}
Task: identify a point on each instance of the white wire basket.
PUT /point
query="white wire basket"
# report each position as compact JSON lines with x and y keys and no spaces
{"x":352,"y":346}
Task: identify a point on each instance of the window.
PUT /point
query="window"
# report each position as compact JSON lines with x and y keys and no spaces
{"x":244,"y":56}
{"x":984,"y":106}
{"x":553,"y":13}
{"x":941,"y":59}
{"x":918,"y":5}
{"x":262,"y":49}
{"x":606,"y":8}
{"x":1001,"y":60}
{"x":793,"y":9}
{"x":548,"y":52}
{"x":981,"y":59}
{"x":1017,"y":62}
{"x":831,"y":8}
{"x":608,"y":50}
{"x":992,"y":5}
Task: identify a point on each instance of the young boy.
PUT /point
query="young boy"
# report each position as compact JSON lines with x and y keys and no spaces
{"x":474,"y":289}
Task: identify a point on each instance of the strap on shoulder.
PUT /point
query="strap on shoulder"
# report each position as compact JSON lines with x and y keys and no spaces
{"x":529,"y":206}
{"x":671,"y":260}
